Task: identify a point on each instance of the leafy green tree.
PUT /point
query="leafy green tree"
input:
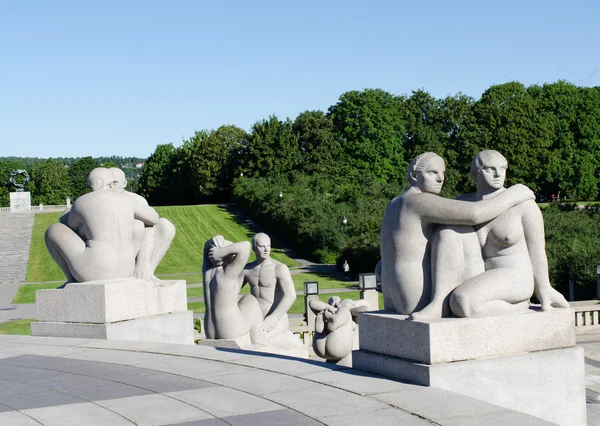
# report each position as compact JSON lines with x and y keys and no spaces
{"x":50,"y":182}
{"x":272,"y":148}
{"x":78,"y":173}
{"x":158,"y":169}
{"x":319,"y":149}
{"x":369,"y":127}
{"x":511,"y":122}
{"x":213,"y":160}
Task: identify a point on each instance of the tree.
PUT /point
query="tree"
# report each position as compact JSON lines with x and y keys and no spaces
{"x":319,"y":149}
{"x":213,"y":160}
{"x":369,"y":127}
{"x":50,"y":182}
{"x":511,"y":122}
{"x":78,"y":174}
{"x":157,"y":170}
{"x":272,"y":148}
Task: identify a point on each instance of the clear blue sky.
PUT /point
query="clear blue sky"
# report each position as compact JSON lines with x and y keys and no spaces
{"x":98,"y":78}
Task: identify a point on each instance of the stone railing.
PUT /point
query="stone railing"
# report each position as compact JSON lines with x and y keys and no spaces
{"x":304,"y":333}
{"x":39,"y":209}
{"x":587,"y":316}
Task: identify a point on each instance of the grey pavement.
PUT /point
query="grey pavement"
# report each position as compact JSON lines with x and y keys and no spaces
{"x":54,"y":381}
{"x":14,"y":251}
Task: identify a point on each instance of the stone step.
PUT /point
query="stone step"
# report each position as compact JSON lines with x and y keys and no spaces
{"x":15,"y":242}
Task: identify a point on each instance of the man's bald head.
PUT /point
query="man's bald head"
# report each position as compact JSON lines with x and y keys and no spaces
{"x":100,"y":178}
{"x":119,"y":181}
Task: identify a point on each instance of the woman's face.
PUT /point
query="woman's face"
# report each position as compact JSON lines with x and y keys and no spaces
{"x":431,"y":178}
{"x":492,"y":173}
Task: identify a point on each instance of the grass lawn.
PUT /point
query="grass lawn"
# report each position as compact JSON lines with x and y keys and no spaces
{"x":197,"y":307}
{"x":16,"y":327}
{"x":324,"y":280}
{"x":41,"y":267}
{"x":195,"y":225}
{"x":26,"y":293}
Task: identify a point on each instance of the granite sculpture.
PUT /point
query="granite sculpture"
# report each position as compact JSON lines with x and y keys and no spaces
{"x":225,"y":317}
{"x":95,"y":240}
{"x":109,"y":233}
{"x":258,"y":320}
{"x":271,"y":283}
{"x":492,"y":268}
{"x":410,"y":222}
{"x":108,"y":245}
{"x":336,"y":328}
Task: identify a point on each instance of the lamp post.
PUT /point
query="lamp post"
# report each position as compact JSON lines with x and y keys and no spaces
{"x":344,"y":221}
{"x":368,"y":289}
{"x":68,"y":201}
{"x":280,"y":195}
{"x":311,"y":291}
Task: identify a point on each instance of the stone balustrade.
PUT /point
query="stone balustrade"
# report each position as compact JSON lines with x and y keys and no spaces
{"x":587,"y":316}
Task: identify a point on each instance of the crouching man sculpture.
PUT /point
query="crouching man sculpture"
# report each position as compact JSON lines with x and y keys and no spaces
{"x":109,"y":233}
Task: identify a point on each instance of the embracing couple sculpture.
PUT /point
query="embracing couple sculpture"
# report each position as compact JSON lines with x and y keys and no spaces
{"x":482,"y":254}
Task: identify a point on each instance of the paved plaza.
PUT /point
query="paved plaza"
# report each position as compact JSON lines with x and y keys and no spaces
{"x":52,"y":381}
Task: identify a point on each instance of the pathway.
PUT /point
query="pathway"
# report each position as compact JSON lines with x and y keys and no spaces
{"x":14,"y":251}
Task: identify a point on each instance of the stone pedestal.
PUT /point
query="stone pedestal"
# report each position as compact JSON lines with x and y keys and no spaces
{"x":20,"y":202}
{"x":528,"y":363}
{"x":126,"y":309}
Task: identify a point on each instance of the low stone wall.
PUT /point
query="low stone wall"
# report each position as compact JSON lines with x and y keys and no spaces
{"x":587,"y":316}
{"x":39,"y":209}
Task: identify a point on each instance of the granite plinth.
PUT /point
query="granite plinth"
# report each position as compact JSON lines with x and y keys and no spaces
{"x":111,"y":301}
{"x":20,"y":201}
{"x":546,"y":384}
{"x":176,"y":327}
{"x":457,"y":339}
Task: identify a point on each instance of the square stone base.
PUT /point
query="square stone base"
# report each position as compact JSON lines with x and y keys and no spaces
{"x":546,"y":384}
{"x":527,"y":363}
{"x":176,"y":327}
{"x":111,"y":301}
{"x":20,"y":201}
{"x":458,"y":339}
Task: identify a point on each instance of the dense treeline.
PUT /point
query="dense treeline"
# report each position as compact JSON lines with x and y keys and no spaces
{"x":53,"y":179}
{"x":350,"y":161}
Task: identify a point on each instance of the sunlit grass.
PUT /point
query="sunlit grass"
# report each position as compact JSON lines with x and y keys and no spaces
{"x":26,"y":293}
{"x":17,"y":327}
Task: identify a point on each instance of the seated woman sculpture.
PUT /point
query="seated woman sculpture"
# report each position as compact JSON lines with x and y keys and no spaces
{"x":226,"y":317}
{"x":410,"y":222}
{"x":493,"y":268}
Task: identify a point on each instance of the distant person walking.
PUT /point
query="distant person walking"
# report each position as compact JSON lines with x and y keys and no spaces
{"x":346,"y":268}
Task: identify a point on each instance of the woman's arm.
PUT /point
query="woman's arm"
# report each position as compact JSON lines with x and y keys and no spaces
{"x":241,"y":251}
{"x":435,"y":209}
{"x":533,"y":228}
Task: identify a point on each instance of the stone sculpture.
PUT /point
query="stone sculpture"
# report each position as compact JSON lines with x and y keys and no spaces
{"x":336,"y":328}
{"x":271,"y":283}
{"x":95,"y":240}
{"x":19,"y":186}
{"x":151,"y":242}
{"x":226,"y":317}
{"x":112,"y":220}
{"x":410,"y":222}
{"x":493,"y":268}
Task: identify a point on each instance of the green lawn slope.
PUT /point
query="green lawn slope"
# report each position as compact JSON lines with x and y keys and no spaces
{"x":195,"y":225}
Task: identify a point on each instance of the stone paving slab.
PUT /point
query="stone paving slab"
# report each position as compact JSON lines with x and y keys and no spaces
{"x":78,"y":380}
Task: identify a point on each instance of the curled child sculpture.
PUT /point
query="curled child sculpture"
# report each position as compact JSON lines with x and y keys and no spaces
{"x":104,"y":233}
{"x":336,"y":328}
{"x":416,"y":259}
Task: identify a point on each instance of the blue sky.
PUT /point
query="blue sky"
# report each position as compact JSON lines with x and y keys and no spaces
{"x":102,"y":78}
